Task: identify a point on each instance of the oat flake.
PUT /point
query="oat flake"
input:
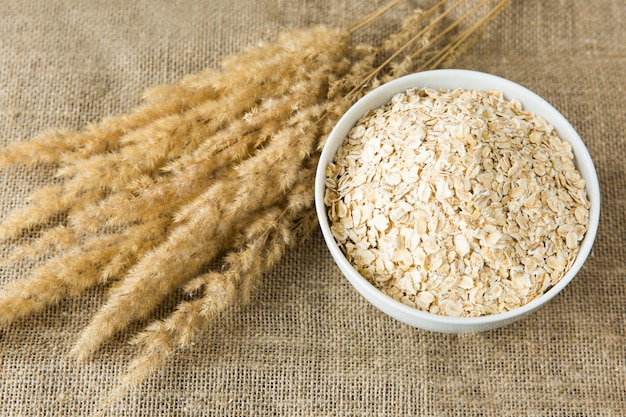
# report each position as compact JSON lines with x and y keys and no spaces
{"x":457,"y":202}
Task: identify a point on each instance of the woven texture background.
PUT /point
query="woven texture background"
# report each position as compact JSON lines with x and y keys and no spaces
{"x":308,"y":344}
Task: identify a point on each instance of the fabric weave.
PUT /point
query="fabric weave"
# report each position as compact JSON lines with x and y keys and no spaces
{"x":308,"y":344}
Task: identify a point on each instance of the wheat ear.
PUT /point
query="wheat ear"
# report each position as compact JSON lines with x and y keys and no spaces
{"x":263,"y":243}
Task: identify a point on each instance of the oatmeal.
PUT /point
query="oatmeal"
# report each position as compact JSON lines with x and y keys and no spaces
{"x":457,"y":202}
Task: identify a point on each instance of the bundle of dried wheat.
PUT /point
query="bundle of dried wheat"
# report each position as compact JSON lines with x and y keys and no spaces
{"x":205,"y":185}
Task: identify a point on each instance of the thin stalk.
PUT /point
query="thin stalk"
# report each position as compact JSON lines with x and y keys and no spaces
{"x":445,"y":53}
{"x":410,"y":42}
{"x":371,"y":17}
{"x":450,"y":27}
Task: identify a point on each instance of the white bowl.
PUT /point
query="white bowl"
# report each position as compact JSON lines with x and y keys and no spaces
{"x":452,"y":79}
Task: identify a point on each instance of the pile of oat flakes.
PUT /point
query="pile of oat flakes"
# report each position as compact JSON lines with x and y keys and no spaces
{"x":458,"y":202}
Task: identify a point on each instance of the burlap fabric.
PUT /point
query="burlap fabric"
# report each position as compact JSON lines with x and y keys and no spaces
{"x":309,"y":344}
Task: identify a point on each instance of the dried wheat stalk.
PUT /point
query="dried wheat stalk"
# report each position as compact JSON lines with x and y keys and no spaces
{"x":216,"y":168}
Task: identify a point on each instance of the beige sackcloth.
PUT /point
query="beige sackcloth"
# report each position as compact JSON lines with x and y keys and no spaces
{"x":308,"y":344}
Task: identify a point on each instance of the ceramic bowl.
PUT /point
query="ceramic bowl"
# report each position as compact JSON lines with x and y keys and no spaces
{"x":453,"y":79}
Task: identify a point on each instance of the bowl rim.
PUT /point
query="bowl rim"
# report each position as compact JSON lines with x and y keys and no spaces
{"x":451,"y":79}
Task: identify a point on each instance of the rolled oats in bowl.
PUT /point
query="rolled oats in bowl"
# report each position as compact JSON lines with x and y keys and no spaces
{"x":457,"y":202}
